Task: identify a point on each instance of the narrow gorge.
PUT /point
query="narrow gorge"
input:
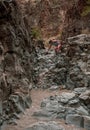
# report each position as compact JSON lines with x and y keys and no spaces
{"x":39,"y":89}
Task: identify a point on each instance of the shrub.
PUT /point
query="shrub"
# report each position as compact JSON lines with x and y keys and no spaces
{"x":36,"y":33}
{"x":86,"y":10}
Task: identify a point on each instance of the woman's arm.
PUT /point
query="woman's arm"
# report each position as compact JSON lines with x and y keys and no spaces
{"x":49,"y":47}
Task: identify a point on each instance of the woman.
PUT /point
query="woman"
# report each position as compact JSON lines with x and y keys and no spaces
{"x":56,"y":43}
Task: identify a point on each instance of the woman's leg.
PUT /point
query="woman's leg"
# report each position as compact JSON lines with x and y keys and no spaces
{"x":56,"y":49}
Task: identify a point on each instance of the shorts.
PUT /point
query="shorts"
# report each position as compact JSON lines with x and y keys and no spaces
{"x":55,"y":44}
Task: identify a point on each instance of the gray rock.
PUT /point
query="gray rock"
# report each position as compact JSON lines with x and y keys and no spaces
{"x":88,"y":106}
{"x":70,"y":110}
{"x":20,"y":102}
{"x":51,"y":109}
{"x":1,"y":121}
{"x":61,"y":109}
{"x":46,"y":126}
{"x":43,"y":114}
{"x":74,"y":119}
{"x":82,"y":111}
{"x":69,"y":84}
{"x":16,"y":116}
{"x":52,"y":98}
{"x":77,"y":38}
{"x":85,"y":97}
{"x":87,"y":122}
{"x":73,"y":102}
{"x":60,"y":116}
{"x":80,"y":90}
{"x":54,"y":87}
{"x":14,"y":99}
{"x":12,"y":121}
{"x":66,"y":96}
{"x":44,"y":102}
{"x":19,"y":108}
{"x":1,"y":108}
{"x":52,"y":106}
{"x":28,"y":101}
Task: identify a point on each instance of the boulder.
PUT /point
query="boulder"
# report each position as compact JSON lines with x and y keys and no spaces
{"x":66,"y":96}
{"x":54,"y":88}
{"x":80,"y":90}
{"x":85,"y":97}
{"x":87,"y":122}
{"x":82,"y":111}
{"x":73,"y":102}
{"x":43,"y":113}
{"x":19,"y":102}
{"x":46,"y":126}
{"x":74,"y":119}
{"x":77,"y":38}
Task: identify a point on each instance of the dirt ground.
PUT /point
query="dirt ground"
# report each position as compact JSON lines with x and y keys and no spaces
{"x":27,"y":119}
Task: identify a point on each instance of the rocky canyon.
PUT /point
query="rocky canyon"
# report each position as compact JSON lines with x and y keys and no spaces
{"x":42,"y":90}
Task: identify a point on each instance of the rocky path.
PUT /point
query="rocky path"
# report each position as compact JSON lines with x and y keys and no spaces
{"x":46,"y":87}
{"x":28,"y":120}
{"x":48,"y":71}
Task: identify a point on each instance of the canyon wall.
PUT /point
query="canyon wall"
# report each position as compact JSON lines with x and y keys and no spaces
{"x":59,"y":17}
{"x":16,"y":64}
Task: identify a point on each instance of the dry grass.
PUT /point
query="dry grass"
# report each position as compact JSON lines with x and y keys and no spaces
{"x":85,"y":31}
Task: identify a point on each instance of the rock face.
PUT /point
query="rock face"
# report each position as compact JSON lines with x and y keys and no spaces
{"x":58,"y":18}
{"x":79,"y":60}
{"x":16,"y":65}
{"x":73,"y":23}
{"x":69,"y":69}
{"x":46,"y":15}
